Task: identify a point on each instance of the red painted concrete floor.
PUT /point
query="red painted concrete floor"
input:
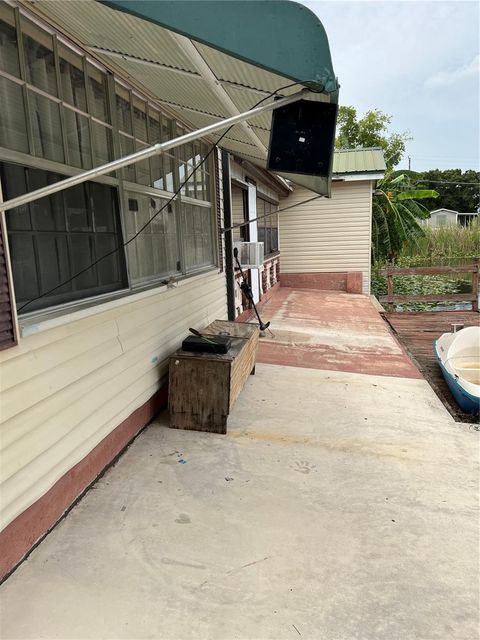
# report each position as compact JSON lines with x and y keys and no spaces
{"x":331,"y":330}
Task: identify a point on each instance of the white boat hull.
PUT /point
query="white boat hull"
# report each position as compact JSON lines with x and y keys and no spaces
{"x":458,"y":355}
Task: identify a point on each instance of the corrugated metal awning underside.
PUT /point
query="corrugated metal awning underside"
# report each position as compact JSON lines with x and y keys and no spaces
{"x":201,"y":83}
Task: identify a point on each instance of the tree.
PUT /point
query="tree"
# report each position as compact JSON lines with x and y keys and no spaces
{"x":370,"y":131}
{"x":457,"y":190}
{"x":396,"y":215}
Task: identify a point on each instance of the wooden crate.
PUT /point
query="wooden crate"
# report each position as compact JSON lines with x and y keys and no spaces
{"x":203,"y":387}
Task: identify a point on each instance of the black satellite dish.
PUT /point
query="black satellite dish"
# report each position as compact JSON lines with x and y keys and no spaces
{"x":302,"y":138}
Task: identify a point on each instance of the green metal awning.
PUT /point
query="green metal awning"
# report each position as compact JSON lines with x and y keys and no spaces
{"x":359,"y":161}
{"x":208,"y":60}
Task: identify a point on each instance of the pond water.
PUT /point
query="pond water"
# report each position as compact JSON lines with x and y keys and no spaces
{"x":456,"y":283}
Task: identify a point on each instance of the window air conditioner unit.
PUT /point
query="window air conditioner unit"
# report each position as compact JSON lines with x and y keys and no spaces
{"x":250,"y":254}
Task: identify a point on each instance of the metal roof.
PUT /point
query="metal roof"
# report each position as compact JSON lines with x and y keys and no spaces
{"x":207,"y":60}
{"x":351,"y":161}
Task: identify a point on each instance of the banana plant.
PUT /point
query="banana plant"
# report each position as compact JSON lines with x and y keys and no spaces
{"x":396,"y":215}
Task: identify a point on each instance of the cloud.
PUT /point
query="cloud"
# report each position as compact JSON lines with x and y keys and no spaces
{"x":445,"y":78}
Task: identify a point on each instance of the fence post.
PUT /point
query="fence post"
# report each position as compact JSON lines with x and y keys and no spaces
{"x":475,"y":284}
{"x":390,"y":306}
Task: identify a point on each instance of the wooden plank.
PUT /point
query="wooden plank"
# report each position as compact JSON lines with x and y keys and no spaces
{"x":417,"y":332}
{"x":203,"y":387}
{"x":460,"y":297}
{"x":242,"y":367}
{"x":390,"y":290}
{"x":198,"y":394}
{"x":426,"y":271}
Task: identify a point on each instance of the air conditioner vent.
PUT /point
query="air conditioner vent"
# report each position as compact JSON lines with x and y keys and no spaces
{"x":250,"y":254}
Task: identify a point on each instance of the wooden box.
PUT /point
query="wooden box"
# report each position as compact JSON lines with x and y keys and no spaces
{"x":203,"y":387}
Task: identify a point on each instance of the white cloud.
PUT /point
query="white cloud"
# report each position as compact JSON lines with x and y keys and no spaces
{"x":446,"y":78}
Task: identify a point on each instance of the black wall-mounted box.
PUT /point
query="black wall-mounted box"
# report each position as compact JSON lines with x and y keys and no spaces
{"x":302,"y":138}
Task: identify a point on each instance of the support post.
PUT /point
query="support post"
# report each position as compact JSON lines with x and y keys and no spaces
{"x":390,"y":289}
{"x":227,"y":221}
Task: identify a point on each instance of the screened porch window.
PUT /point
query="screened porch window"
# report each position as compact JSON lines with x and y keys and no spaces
{"x":197,"y":225}
{"x":268,"y":226}
{"x":54,"y":238}
{"x":153,"y":254}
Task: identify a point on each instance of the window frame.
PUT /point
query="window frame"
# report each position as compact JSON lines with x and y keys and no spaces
{"x":68,"y":234}
{"x":167,"y":124}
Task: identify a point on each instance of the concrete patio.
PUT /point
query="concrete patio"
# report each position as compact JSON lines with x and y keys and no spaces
{"x":341,"y":505}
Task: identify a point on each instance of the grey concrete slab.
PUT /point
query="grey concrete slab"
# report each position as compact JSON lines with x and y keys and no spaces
{"x":338,"y":507}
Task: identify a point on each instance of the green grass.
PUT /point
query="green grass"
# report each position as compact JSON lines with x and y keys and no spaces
{"x":442,"y":245}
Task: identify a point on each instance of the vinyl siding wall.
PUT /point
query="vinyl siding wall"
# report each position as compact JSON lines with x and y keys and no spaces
{"x":328,"y":235}
{"x":66,"y":388}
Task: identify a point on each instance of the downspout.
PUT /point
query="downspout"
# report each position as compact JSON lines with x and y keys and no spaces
{"x":227,"y":222}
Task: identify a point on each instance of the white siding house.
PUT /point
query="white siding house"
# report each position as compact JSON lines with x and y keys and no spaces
{"x":100,"y":281}
{"x":73,"y":380}
{"x":445,"y":217}
{"x":326,"y":243}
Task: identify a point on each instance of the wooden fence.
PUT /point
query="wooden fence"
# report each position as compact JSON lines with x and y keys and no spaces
{"x":469,"y":296}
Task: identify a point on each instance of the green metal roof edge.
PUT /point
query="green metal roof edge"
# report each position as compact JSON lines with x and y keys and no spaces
{"x":280,"y":36}
{"x":379,"y":167}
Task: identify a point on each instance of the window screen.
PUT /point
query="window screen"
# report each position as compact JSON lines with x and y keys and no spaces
{"x":8,"y":41}
{"x":53,"y":238}
{"x":198,"y":236}
{"x":154,"y":252}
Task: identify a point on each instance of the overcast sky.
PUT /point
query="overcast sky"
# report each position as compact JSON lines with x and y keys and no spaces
{"x":418,"y":62}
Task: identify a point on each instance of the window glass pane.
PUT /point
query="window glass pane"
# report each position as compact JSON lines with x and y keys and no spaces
{"x":108,"y":268}
{"x":102,"y":144}
{"x":168,"y":165}
{"x":140,"y":119}
{"x":53,"y":263}
{"x":77,"y":212}
{"x":167,"y":124}
{"x":47,"y":132}
{"x":14,"y":183}
{"x":97,"y":86}
{"x":200,"y":185}
{"x":13,"y":125}
{"x":48,"y":253}
{"x":154,"y":252}
{"x":198,"y":236}
{"x":25,"y":278}
{"x":191,"y":183}
{"x":46,"y":214}
{"x":104,"y":205}
{"x":274,"y":228}
{"x":126,"y":148}
{"x":181,"y":178}
{"x":77,"y":132}
{"x":156,"y":167}
{"x":39,"y":58}
{"x":142,"y":168}
{"x":8,"y":41}
{"x":72,"y":78}
{"x":154,"y":126}
{"x":82,"y":254}
{"x":124,"y":110}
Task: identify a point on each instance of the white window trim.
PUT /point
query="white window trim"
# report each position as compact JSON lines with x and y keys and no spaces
{"x":36,"y":322}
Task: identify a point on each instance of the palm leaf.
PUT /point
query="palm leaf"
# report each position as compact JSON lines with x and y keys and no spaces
{"x":417,"y":194}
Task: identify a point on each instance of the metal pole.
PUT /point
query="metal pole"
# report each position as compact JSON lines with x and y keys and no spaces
{"x":227,"y":221}
{"x":148,"y":152}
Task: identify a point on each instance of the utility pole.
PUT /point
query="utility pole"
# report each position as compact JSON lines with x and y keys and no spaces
{"x":409,"y":162}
